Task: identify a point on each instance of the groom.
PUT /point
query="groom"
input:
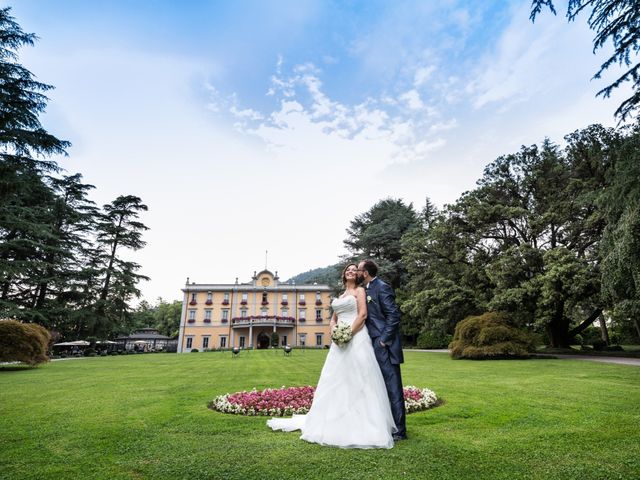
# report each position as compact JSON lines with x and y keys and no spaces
{"x":383,"y":324}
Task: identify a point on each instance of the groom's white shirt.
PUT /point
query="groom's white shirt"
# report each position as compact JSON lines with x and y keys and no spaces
{"x":369,"y":282}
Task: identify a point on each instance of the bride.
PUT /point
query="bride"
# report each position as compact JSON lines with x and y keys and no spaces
{"x":350,"y":406}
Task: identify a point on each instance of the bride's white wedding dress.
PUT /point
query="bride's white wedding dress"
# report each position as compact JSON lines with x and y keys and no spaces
{"x":350,"y":406}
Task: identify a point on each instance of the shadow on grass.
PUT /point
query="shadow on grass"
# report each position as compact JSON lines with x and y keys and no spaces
{"x":18,"y":367}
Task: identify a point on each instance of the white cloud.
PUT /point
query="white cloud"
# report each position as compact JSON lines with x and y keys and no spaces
{"x":412,"y":99}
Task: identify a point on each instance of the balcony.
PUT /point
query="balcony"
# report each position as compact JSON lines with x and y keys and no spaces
{"x":191,"y":320}
{"x":207,"y":320}
{"x":193,"y":302}
{"x":284,"y":303}
{"x":208,"y":302}
{"x":302,"y":303}
{"x":243,"y":302}
{"x":262,"y":320}
{"x":225,"y":302}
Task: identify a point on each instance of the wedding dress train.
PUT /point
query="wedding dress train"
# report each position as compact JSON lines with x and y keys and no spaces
{"x":350,"y":406}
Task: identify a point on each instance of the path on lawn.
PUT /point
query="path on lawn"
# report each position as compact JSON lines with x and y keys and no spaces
{"x":619,"y":360}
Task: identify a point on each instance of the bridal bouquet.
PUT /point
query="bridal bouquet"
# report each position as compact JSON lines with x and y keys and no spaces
{"x":342,"y":333}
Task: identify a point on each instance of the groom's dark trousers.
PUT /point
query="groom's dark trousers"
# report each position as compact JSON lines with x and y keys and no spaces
{"x":383,"y":324}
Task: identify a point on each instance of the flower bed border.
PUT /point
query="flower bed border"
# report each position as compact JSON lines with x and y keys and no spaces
{"x":286,"y":401}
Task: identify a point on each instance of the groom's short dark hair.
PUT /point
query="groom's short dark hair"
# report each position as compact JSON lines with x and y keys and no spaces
{"x":371,"y":267}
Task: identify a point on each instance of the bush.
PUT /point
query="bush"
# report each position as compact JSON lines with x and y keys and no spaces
{"x":433,"y":339}
{"x":194,"y":350}
{"x":88,"y":352}
{"x":23,"y":342}
{"x":490,"y":336}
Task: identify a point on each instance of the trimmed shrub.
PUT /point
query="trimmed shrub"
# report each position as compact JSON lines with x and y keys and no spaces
{"x":23,"y":342}
{"x":433,"y":339}
{"x":88,"y":352}
{"x":194,"y":350}
{"x":490,"y":336}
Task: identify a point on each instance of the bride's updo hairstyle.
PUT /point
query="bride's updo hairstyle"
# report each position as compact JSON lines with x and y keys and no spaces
{"x":344,"y":271}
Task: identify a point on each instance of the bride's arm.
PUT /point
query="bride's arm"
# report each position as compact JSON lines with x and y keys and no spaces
{"x":361,"y":302}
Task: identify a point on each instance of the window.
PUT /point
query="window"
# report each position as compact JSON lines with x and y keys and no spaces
{"x":207,"y":315}
{"x":223,"y":342}
{"x":225,"y":300}
{"x":302,"y":314}
{"x":193,"y":297}
{"x":302,"y":297}
{"x":209,"y":298}
{"x":265,"y":300}
{"x":285,"y":312}
{"x":303,"y":339}
{"x":225,"y":315}
{"x":284,"y":297}
{"x":318,"y":314}
{"x":192,"y":316}
{"x":284,"y":340}
{"x":205,"y":342}
{"x":242,"y":341}
{"x":243,"y":313}
{"x":244,"y":298}
{"x":189,"y":342}
{"x":318,"y":339}
{"x":263,"y":312}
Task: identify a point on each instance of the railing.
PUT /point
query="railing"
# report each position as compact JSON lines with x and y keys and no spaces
{"x":263,"y":320}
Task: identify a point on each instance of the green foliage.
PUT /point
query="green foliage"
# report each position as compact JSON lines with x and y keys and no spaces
{"x":617,"y":21}
{"x":23,"y":342}
{"x":378,"y":233}
{"x":275,"y":339}
{"x":329,"y":275}
{"x":526,"y":241}
{"x":490,"y":336}
{"x":433,"y":339}
{"x":194,"y":350}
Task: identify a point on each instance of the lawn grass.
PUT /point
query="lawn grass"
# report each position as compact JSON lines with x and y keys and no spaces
{"x":146,"y":416}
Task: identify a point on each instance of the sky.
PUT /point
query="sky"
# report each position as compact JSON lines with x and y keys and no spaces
{"x":267,"y":126}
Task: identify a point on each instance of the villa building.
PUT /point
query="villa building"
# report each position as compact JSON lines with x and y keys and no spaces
{"x":246,"y":315}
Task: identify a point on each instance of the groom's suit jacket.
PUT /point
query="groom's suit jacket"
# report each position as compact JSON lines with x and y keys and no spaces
{"x":383,"y":318}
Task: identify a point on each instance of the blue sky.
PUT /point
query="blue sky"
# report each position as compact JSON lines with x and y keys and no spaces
{"x":248,"y":126}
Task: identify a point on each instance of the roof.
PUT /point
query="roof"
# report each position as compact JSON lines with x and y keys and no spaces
{"x":140,"y":335}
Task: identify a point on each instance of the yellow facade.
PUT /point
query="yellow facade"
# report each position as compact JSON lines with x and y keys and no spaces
{"x":245,"y":315}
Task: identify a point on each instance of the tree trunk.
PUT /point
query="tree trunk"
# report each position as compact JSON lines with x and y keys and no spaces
{"x":592,"y":318}
{"x":604,"y":333}
{"x":635,"y":323}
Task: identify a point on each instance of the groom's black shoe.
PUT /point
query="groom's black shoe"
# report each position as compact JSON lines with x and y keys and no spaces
{"x":397,"y":438}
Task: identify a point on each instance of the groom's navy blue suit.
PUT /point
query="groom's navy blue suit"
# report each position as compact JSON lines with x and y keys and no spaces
{"x":383,"y":324}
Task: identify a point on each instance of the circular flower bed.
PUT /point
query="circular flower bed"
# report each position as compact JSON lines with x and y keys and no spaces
{"x":283,"y":402}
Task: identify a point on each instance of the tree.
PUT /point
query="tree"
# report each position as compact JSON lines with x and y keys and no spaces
{"x":377,"y":234}
{"x":525,"y":241}
{"x":615,"y":20}
{"x":117,"y":228}
{"x":167,"y":317}
{"x":25,"y":196}
{"x":620,"y":247}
